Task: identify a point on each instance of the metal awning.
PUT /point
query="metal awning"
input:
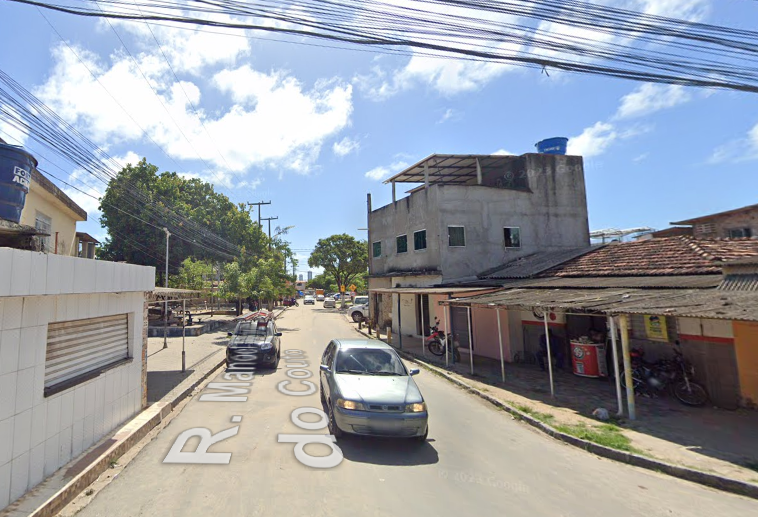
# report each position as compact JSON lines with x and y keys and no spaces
{"x":163,"y":294}
{"x":455,"y":169}
{"x":430,"y":290}
{"x":694,"y":303}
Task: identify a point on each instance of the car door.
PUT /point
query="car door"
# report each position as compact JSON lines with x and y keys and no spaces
{"x":326,"y":377}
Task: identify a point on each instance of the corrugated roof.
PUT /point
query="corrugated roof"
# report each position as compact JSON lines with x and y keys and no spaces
{"x":531,"y":265}
{"x":429,"y":290}
{"x":747,"y":282}
{"x":695,"y":303}
{"x":634,"y":282}
{"x":652,"y":257}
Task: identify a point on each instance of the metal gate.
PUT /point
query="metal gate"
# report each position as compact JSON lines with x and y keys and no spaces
{"x":75,"y":348}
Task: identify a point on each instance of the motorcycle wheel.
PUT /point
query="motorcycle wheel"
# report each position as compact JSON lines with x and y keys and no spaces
{"x":436,"y":348}
{"x":694,"y":396}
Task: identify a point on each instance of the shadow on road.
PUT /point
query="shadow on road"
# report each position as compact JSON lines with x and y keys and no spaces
{"x":388,"y":451}
{"x":160,"y":383}
{"x":258,"y":372}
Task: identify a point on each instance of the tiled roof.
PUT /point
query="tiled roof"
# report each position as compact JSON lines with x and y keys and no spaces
{"x":531,"y":265}
{"x":666,"y":256}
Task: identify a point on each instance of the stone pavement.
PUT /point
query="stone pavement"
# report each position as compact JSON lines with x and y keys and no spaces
{"x":709,"y":439}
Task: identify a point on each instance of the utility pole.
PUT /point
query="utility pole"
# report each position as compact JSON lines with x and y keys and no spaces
{"x":165,"y":311}
{"x":269,"y":219}
{"x":259,"y":203}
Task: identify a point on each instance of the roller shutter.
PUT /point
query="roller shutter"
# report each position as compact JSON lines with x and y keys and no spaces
{"x":76,"y":348}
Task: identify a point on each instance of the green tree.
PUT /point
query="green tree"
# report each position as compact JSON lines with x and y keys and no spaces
{"x":194,"y":274}
{"x":324,"y":281}
{"x":233,"y":285}
{"x":342,"y":256}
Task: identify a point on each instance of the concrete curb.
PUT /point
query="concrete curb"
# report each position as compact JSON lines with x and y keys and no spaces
{"x":695,"y":476}
{"x":127,"y":437}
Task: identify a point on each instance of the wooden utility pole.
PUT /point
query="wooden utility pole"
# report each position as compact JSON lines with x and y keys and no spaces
{"x":258,"y":204}
{"x":269,"y":219}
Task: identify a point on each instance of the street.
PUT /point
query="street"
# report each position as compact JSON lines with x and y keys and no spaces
{"x":477,"y":460}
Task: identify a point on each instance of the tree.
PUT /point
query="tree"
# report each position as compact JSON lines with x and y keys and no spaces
{"x":342,"y":256}
{"x":194,"y":274}
{"x":324,"y":281}
{"x":233,"y":285}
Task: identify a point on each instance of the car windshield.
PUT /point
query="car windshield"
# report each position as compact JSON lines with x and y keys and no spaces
{"x":250,"y":329}
{"x":363,"y":361}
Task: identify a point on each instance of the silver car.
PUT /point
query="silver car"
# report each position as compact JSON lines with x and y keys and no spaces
{"x":329,"y":302}
{"x":367,"y":390}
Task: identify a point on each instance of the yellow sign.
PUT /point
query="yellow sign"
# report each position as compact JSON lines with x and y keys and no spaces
{"x":352,"y":287}
{"x":342,"y":288}
{"x":655,"y":327}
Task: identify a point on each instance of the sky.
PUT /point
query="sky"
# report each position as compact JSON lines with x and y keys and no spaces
{"x":313,"y":130}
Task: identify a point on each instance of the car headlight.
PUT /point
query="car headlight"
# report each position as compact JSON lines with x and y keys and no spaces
{"x":415,"y":408}
{"x":349,"y":404}
{"x":266,"y":346}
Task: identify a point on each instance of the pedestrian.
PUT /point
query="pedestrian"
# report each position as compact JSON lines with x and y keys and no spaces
{"x":556,"y":350}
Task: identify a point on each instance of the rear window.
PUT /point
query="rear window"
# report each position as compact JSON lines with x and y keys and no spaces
{"x":251,"y":329}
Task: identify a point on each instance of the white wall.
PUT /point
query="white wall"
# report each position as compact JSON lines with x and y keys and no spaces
{"x":40,"y":434}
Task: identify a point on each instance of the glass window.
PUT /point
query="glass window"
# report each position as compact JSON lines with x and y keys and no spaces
{"x":251,"y":328}
{"x":419,"y":240}
{"x":369,"y":361}
{"x":44,"y":224}
{"x":738,"y":233}
{"x":512,"y":237}
{"x":456,"y":236}
{"x":402,"y":243}
{"x":377,"y":246}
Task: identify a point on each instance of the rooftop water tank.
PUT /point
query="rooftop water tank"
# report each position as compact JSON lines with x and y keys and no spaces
{"x":555,"y":145}
{"x":16,"y":167}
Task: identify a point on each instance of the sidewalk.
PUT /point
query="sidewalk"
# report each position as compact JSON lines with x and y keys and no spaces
{"x":706,"y":439}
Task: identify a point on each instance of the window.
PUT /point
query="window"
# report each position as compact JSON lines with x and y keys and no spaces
{"x":738,"y":233}
{"x":705,"y":228}
{"x":512,"y":237}
{"x":377,"y":246}
{"x":456,"y":236}
{"x":44,"y":224}
{"x":402,"y":243}
{"x":419,"y":240}
{"x":80,"y":350}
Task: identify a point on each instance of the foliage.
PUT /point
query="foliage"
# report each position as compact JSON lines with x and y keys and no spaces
{"x":342,"y":256}
{"x":323,"y":281}
{"x":194,"y":274}
{"x":133,"y":241}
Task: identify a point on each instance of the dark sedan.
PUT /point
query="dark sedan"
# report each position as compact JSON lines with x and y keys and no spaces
{"x":254,"y":343}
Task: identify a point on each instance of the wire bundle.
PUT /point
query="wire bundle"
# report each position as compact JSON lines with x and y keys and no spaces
{"x":561,"y":34}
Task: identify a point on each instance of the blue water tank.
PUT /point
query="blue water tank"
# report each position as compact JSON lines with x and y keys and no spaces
{"x":16,"y":167}
{"x":555,"y":145}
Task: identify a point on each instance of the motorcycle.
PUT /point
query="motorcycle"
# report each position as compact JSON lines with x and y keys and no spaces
{"x":438,"y":342}
{"x":667,"y":375}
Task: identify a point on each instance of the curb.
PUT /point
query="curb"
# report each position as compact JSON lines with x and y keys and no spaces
{"x":695,"y":476}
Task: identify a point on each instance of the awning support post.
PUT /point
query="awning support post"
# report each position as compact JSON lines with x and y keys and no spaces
{"x":478,"y":172}
{"x":426,"y":175}
{"x":184,"y":331}
{"x":470,"y":342}
{"x":394,"y":199}
{"x":399,"y":323}
{"x":549,"y":355}
{"x":614,"y":346}
{"x":500,"y":339}
{"x":448,"y":338}
{"x":624,"y":324}
{"x":423,"y":327}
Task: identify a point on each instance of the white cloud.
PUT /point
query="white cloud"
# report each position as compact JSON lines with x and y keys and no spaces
{"x":593,"y":141}
{"x":9,"y":132}
{"x":504,"y":152}
{"x":650,"y":98}
{"x":382,"y":172}
{"x":273,"y":120}
{"x":345,"y":146}
{"x":449,"y":114}
{"x":739,"y":150}
{"x":641,"y":157}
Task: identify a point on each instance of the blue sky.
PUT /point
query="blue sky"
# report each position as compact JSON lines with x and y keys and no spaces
{"x":313,"y":129}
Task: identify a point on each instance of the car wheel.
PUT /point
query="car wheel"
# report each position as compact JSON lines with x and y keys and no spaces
{"x":334,"y":430}
{"x":357,"y":317}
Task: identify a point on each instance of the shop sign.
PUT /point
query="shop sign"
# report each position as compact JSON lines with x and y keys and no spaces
{"x":655,"y":327}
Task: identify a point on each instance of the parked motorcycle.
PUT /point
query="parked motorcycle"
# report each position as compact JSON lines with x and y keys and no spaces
{"x":438,"y":342}
{"x":667,"y":375}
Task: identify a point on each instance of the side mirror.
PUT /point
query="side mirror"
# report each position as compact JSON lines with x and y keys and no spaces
{"x":228,"y":334}
{"x":324,"y":368}
{"x":414,"y":371}
{"x":278,"y":334}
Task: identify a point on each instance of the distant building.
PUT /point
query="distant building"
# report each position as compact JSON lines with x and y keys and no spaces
{"x":300,"y":277}
{"x":310,"y":275}
{"x":732,"y":224}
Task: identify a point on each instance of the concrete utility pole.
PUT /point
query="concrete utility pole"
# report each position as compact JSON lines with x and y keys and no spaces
{"x":165,"y":312}
{"x":259,"y":203}
{"x":269,"y":219}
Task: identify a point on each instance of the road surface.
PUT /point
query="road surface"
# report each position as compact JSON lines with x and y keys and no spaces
{"x":477,"y":461}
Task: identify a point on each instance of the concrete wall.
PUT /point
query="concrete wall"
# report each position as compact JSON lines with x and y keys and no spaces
{"x":722,"y":224}
{"x":485,"y":333}
{"x":39,"y":434}
{"x":552,"y":215}
{"x":62,"y":218}
{"x":746,"y":348}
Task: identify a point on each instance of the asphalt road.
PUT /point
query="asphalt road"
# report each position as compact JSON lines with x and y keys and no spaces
{"x":477,"y":461}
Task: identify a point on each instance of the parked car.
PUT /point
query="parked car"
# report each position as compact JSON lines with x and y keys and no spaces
{"x":319,"y":297}
{"x":254,"y":343}
{"x":329,"y":302}
{"x":367,"y":390}
{"x":359,"y":312}
{"x":360,"y":300}
{"x":309,"y":300}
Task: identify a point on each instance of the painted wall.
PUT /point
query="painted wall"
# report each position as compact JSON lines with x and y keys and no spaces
{"x":485,"y":333}
{"x":62,"y":218}
{"x":746,"y":348}
{"x":39,"y":434}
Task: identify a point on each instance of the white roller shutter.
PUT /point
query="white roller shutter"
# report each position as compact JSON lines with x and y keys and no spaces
{"x":75,"y":348}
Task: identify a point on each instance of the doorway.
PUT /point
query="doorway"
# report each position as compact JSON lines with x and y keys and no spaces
{"x":460,"y":326}
{"x":422,"y":313}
